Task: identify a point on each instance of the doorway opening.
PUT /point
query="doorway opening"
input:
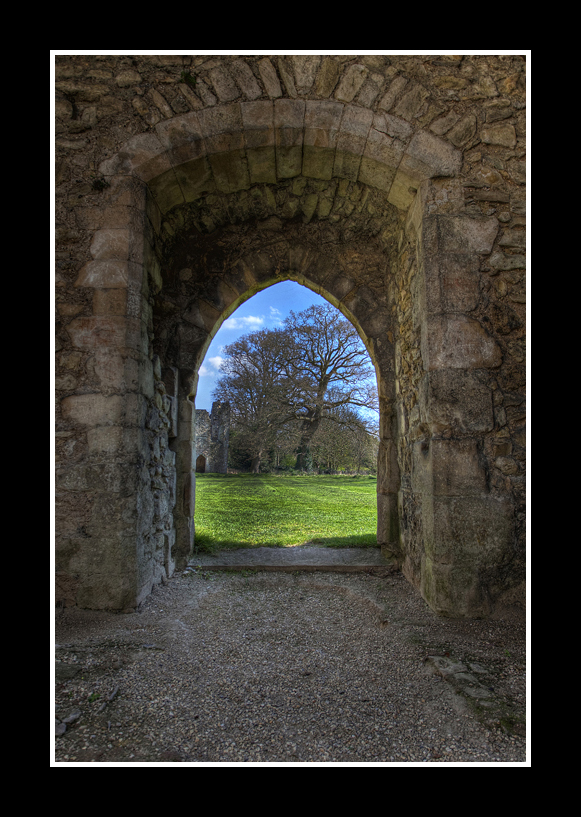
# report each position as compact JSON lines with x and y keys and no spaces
{"x":302,"y":392}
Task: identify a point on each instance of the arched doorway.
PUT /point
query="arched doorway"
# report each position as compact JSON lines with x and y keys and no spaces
{"x":185,"y":333}
{"x":212,"y":208}
{"x":284,"y":335}
{"x":266,"y":346}
{"x":200,"y":464}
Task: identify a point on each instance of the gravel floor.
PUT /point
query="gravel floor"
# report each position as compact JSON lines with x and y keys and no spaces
{"x":227,"y":668}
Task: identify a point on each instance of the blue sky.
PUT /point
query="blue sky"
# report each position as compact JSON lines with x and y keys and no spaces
{"x":265,"y":310}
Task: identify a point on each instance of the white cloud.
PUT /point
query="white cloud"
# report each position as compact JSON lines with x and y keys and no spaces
{"x":211,"y":366}
{"x":251,"y":322}
{"x":276,"y":315}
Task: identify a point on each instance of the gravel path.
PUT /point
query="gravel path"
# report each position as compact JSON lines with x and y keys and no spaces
{"x":282,"y":668}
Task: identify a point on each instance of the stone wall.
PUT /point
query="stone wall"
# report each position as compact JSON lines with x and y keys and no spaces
{"x":395,"y":187}
{"x":212,"y":438}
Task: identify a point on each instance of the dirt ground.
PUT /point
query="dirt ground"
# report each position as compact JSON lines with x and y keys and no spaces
{"x":280,"y":668}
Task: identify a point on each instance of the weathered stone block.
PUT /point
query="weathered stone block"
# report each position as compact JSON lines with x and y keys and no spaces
{"x":170,"y":379}
{"x":452,"y":591}
{"x":110,"y":302}
{"x":327,"y":77}
{"x":107,"y":477}
{"x":503,"y":134}
{"x":269,"y":78}
{"x":362,"y":306}
{"x":189,"y":495}
{"x":258,"y":121}
{"x":348,"y":157}
{"x":403,"y":190}
{"x":230,"y":171}
{"x":93,"y":409}
{"x":458,"y":342}
{"x":387,"y":521}
{"x":351,"y":81}
{"x":456,"y":399}
{"x":289,"y":114}
{"x":113,"y":586}
{"x":224,"y":85}
{"x":195,"y":178}
{"x":469,"y":531}
{"x":376,"y":174}
{"x":393,"y":126}
{"x":464,"y":131}
{"x":289,"y":161}
{"x":500,"y":261}
{"x":384,"y":149}
{"x":396,"y":87}
{"x":452,"y":283}
{"x":370,"y":90}
{"x":262,"y":165}
{"x":73,"y":511}
{"x":114,"y":371}
{"x":427,"y":156}
{"x":322,"y":122}
{"x":179,"y":131}
{"x":221,"y":120}
{"x":462,"y":234}
{"x":513,"y":238}
{"x":318,"y":162}
{"x":143,"y":155}
{"x":464,"y":537}
{"x":305,"y":70}
{"x":114,"y":441}
{"x":412,"y":101}
{"x":108,"y":244}
{"x":448,"y":468}
{"x":288,"y":122}
{"x":102,"y":332}
{"x":245,"y":79}
{"x":116,"y":513}
{"x":388,"y":476}
{"x":166,"y":190}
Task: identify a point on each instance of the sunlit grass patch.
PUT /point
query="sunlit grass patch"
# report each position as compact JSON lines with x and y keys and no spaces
{"x":249,"y":510}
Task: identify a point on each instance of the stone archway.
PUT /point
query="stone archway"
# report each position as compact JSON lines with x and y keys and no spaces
{"x":364,"y":206}
{"x":186,"y":324}
{"x":200,"y":464}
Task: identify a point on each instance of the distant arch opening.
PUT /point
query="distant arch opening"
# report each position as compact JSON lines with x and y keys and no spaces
{"x":303,"y":395}
{"x":206,"y":277}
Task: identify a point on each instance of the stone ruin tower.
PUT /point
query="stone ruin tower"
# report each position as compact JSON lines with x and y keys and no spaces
{"x":212,"y":436}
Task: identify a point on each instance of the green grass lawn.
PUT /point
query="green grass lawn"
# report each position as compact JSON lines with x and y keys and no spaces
{"x":248,"y":510}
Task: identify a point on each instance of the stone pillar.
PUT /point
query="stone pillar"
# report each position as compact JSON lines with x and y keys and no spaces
{"x":466,"y":529}
{"x":99,"y":555}
{"x":185,"y":448}
{"x":388,"y":479}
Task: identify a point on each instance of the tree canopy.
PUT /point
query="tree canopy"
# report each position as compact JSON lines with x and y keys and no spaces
{"x":285,"y":384}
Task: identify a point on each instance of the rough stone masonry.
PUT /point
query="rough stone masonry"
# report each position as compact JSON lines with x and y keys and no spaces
{"x":394,"y":186}
{"x":212,"y":436}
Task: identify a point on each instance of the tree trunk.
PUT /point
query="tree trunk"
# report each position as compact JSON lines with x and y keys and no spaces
{"x":255,"y":463}
{"x":309,"y":427}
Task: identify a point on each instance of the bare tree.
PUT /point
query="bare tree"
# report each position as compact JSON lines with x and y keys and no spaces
{"x":332,"y":369}
{"x":254,"y":382}
{"x":294,"y":378}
